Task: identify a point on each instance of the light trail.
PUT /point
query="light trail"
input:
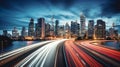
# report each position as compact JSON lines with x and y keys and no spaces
{"x":100,"y":57}
{"x":6,"y":57}
{"x":43,"y":57}
{"x":78,"y":57}
{"x":105,"y":51}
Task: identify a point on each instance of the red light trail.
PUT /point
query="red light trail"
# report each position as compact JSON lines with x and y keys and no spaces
{"x":78,"y":56}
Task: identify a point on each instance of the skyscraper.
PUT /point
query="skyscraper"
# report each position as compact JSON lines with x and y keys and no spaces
{"x":67,"y":30}
{"x":40,"y":28}
{"x":52,"y":33}
{"x":56,"y":27}
{"x":72,"y":28}
{"x":82,"y":25}
{"x":5,"y":33}
{"x":100,"y":29}
{"x":118,"y":28}
{"x":47,"y":29}
{"x":75,"y":28}
{"x":111,"y":31}
{"x":23,"y":32}
{"x":61,"y":31}
{"x":114,"y":30}
{"x":37,"y":30}
{"x":31,"y":27}
{"x":90,"y":28}
{"x":15,"y":32}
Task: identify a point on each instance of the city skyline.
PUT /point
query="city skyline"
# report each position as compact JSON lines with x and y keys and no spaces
{"x":80,"y":26}
{"x":17,"y":13}
{"x":41,"y":30}
{"x":59,"y":33}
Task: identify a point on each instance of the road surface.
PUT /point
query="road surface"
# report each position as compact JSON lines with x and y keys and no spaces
{"x":43,"y":57}
{"x":85,"y":54}
{"x":12,"y":57}
{"x":62,"y":53}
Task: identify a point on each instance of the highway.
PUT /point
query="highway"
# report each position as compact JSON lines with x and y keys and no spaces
{"x":62,"y":53}
{"x":60,"y":56}
{"x":12,"y":57}
{"x":43,"y":57}
{"x":85,"y":54}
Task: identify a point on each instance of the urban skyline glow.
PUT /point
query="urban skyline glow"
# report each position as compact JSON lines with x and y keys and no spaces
{"x":18,"y":13}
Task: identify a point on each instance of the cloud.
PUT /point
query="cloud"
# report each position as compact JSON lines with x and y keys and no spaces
{"x":18,"y":12}
{"x":65,"y":3}
{"x":111,"y":8}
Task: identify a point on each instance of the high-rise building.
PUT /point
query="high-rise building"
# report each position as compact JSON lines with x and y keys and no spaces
{"x":23,"y":32}
{"x":72,"y":28}
{"x":37,"y":30}
{"x":67,"y":30}
{"x":61,"y":31}
{"x":118,"y":28}
{"x":15,"y":32}
{"x":107,"y":33}
{"x":40,"y":28}
{"x":82,"y":25}
{"x":100,"y":29}
{"x":75,"y":29}
{"x":47,"y":29}
{"x":116,"y":31}
{"x":31,"y":28}
{"x":52,"y":30}
{"x":111,"y":31}
{"x":90,"y":28}
{"x":5,"y":33}
{"x":56,"y":27}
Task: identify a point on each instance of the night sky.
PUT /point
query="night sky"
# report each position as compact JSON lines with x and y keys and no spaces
{"x":18,"y":12}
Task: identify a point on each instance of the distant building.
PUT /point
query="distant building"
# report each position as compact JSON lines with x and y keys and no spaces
{"x":72,"y":27}
{"x":47,"y":29}
{"x":118,"y":28}
{"x":15,"y":32}
{"x":37,"y":30}
{"x":90,"y":28}
{"x":56,"y":27}
{"x":100,"y":29}
{"x":52,"y":29}
{"x":75,"y":29}
{"x":67,"y":30}
{"x":61,"y":31}
{"x":114,"y":31}
{"x":83,"y":25}
{"x":111,"y":31}
{"x":23,"y":32}
{"x":40,"y":28}
{"x":107,"y":33}
{"x":31,"y":28}
{"x":5,"y":33}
